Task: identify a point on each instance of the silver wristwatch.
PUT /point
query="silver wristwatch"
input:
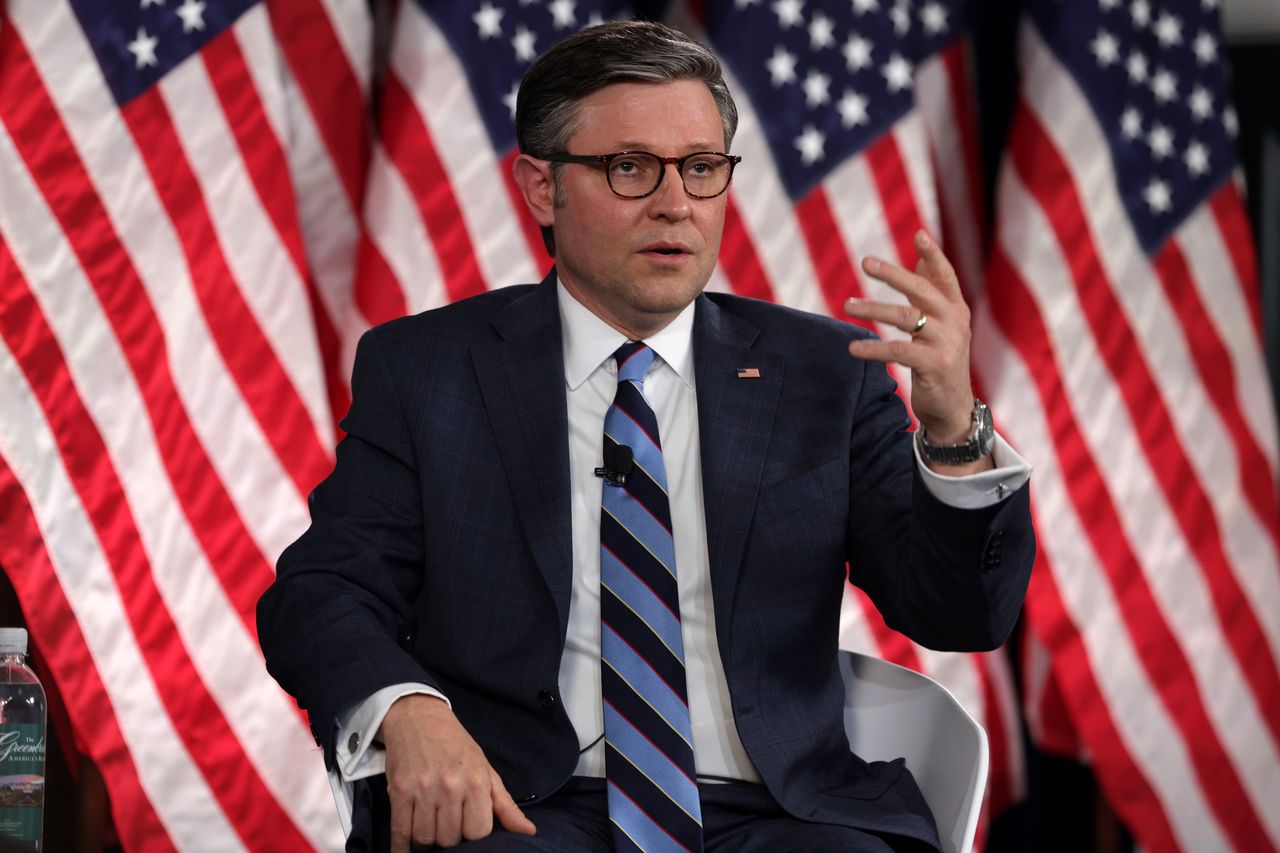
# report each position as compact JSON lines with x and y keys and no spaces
{"x":978,"y":445}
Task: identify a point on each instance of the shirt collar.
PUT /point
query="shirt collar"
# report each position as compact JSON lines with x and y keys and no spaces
{"x":589,"y":341}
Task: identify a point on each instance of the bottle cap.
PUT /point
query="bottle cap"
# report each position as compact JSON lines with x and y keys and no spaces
{"x":13,"y":640}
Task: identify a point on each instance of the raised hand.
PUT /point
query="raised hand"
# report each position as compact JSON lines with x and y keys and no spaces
{"x":937,"y":354}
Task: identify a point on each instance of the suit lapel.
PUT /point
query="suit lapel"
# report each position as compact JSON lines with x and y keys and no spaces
{"x":735,"y":420}
{"x":522,"y":381}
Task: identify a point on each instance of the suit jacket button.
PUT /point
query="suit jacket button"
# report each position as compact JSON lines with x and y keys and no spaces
{"x":546,"y":699}
{"x":353,"y":743}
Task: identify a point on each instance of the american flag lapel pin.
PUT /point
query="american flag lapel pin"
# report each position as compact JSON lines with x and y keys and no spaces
{"x":749,"y":373}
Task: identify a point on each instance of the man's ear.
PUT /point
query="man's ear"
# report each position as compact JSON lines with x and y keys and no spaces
{"x":533,"y":177}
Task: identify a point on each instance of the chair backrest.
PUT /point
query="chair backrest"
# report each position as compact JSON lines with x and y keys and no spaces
{"x":893,"y":712}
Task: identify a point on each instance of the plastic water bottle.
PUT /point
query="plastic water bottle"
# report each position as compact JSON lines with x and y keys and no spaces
{"x":22,"y":722}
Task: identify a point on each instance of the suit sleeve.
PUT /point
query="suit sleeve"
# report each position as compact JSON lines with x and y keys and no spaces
{"x":335,"y":624}
{"x":949,"y":578}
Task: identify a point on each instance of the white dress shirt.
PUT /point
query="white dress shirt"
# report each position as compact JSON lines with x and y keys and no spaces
{"x":590,"y":382}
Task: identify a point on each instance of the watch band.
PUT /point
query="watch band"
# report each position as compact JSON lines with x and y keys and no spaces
{"x":978,"y":445}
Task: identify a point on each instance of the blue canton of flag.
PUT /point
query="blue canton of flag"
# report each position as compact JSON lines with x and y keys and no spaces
{"x":497,"y":40}
{"x":831,"y":75}
{"x":139,"y":42}
{"x":1154,"y":76}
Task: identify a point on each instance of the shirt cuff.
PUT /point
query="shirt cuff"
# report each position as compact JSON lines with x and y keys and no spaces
{"x":984,"y":489}
{"x":356,"y":754}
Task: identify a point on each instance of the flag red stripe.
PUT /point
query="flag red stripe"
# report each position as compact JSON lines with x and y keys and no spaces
{"x":831,"y":261}
{"x":1128,"y":790}
{"x":56,"y":632}
{"x":890,"y":645}
{"x":1228,"y":211}
{"x":210,"y":741}
{"x":957,"y":60}
{"x":1217,"y":378}
{"x":329,"y":85}
{"x":378,"y":292}
{"x":528,"y":225}
{"x":268,"y":168}
{"x":1001,"y":785}
{"x":412,"y":150}
{"x":1047,"y":178}
{"x":902,"y":214}
{"x":248,"y":353}
{"x":1158,"y":649}
{"x":50,"y":157}
{"x":739,"y":259}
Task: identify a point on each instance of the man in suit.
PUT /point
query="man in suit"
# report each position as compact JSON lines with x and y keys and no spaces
{"x":441,"y":618}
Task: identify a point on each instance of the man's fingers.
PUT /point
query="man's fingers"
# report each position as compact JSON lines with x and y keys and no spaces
{"x":938,"y":267}
{"x":901,"y":352}
{"x":448,"y":828}
{"x":477,"y":815}
{"x":916,"y":288}
{"x":508,"y":813}
{"x":401,"y":824}
{"x":904,"y":317}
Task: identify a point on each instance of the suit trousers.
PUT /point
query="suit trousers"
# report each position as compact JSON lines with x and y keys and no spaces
{"x":738,"y":817}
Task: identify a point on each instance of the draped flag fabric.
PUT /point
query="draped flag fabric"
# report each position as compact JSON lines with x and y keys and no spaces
{"x":203,"y":205}
{"x":1120,"y":344}
{"x":181,"y":186}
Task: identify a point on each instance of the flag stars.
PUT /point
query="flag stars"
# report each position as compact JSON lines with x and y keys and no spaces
{"x":1161,"y":141}
{"x":562,"y":14}
{"x":148,"y":3}
{"x":821,"y":32}
{"x":509,"y":99}
{"x":1164,"y":85}
{"x":862,"y":7}
{"x":1106,"y":49}
{"x":1137,"y":67}
{"x":1169,"y":30}
{"x":853,"y":109}
{"x":782,"y":67}
{"x":523,"y":42}
{"x":1231,"y":121}
{"x":1205,"y":48}
{"x":900,"y":14}
{"x":1197,"y":160}
{"x":143,"y":48}
{"x":1140,"y":11}
{"x":488,"y":21}
{"x":789,"y":13}
{"x":857,"y":53}
{"x":934,"y":18}
{"x":816,"y":86}
{"x":192,"y":14}
{"x":1108,"y":5}
{"x":1131,"y":123}
{"x":897,"y":73}
{"x":810,"y":145}
{"x":1200,"y":103}
{"x":1157,"y":196}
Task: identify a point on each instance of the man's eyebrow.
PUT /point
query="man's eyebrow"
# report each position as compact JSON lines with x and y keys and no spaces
{"x":633,"y":145}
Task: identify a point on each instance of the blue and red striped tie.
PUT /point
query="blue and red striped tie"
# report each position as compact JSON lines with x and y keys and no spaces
{"x":653,"y":793}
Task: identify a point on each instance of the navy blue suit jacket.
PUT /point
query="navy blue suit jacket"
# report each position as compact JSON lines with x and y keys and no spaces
{"x":439,"y":549}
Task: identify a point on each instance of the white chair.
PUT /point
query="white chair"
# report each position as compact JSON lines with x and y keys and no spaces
{"x":893,"y":712}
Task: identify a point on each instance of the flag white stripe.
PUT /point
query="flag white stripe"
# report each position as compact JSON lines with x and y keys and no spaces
{"x":912,"y":140}
{"x":353,"y":28}
{"x":1205,"y":441}
{"x":1222,"y":296}
{"x":423,"y":62}
{"x":173,"y":784}
{"x":1168,"y":564}
{"x":768,"y":216}
{"x":264,"y":272}
{"x":395,"y":226}
{"x":1140,"y":718}
{"x":225,"y":655}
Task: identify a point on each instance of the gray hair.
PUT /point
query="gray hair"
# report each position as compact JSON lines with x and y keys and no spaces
{"x":599,"y":56}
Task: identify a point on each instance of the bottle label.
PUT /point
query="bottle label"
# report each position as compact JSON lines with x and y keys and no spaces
{"x":21,"y":780}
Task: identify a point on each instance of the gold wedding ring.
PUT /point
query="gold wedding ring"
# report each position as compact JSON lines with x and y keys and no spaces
{"x":915,"y":330}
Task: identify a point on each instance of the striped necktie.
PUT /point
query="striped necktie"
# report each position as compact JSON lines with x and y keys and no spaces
{"x":653,"y":795}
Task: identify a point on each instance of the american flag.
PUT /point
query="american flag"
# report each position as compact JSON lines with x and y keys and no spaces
{"x":1120,"y":342}
{"x":198,"y":223}
{"x":181,"y":185}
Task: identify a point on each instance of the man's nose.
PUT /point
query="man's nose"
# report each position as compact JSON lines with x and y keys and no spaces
{"x":671,"y":199}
